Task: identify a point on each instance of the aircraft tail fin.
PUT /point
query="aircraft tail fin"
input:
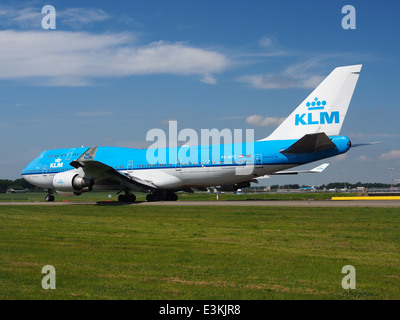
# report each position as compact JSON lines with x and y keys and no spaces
{"x":324,"y":109}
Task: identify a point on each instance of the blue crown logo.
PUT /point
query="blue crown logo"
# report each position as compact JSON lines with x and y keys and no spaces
{"x":316,"y":104}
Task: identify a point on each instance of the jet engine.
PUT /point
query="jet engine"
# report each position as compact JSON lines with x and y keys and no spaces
{"x":71,"y":183}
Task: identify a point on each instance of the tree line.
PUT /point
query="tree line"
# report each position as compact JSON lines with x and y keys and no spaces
{"x":339,"y":185}
{"x":332,"y":185}
{"x":18,"y":184}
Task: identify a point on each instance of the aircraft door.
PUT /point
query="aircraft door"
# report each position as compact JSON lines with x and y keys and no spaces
{"x":178,"y":165}
{"x":44,"y":170}
{"x":258,"y":161}
{"x":130,"y":166}
{"x":69,"y":154}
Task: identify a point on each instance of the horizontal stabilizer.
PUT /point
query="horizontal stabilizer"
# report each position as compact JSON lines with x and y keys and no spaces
{"x":312,"y":142}
{"x":318,"y":169}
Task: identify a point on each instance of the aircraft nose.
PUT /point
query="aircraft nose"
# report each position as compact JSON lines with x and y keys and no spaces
{"x":26,"y":178}
{"x":32,"y":168}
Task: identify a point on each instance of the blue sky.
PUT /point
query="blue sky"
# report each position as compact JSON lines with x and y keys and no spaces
{"x":113,"y":70}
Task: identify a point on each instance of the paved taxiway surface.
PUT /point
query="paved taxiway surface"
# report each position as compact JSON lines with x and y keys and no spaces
{"x":260,"y":203}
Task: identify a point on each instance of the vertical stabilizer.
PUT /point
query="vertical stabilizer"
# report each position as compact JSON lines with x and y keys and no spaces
{"x":324,"y":109}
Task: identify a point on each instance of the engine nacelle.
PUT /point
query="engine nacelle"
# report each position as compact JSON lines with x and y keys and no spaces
{"x":70,"y":181}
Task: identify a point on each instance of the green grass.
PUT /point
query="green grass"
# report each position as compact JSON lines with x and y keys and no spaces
{"x":89,"y":196}
{"x":183,"y":196}
{"x":155,"y":252}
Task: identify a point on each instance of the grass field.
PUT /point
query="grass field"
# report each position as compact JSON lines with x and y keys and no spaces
{"x":183,"y":196}
{"x":136,"y":252}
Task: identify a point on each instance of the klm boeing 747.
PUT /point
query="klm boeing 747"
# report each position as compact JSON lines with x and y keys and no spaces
{"x":310,"y":133}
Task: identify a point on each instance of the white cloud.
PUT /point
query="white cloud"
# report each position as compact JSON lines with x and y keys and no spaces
{"x":21,"y":17}
{"x":76,"y":17}
{"x":295,"y":76}
{"x":208,"y":79}
{"x":265,"y":81}
{"x":266,"y":42}
{"x":394,"y":154}
{"x":259,"y":121}
{"x":340,"y":157}
{"x":78,"y":58}
{"x":363,"y":158}
{"x":271,"y":48}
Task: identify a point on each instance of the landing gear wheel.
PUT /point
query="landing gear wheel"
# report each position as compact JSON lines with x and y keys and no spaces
{"x":154,"y":197}
{"x":171,"y":196}
{"x":150,"y":198}
{"x":127,"y":197}
{"x":49,"y":198}
{"x":131,"y":197}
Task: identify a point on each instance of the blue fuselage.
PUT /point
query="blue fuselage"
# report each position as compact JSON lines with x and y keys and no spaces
{"x":195,"y":165}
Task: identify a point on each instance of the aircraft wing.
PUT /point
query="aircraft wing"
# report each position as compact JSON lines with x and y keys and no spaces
{"x":318,"y":169}
{"x":96,"y":169}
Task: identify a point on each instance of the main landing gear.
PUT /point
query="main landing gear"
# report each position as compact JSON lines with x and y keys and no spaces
{"x":49,"y":197}
{"x":165,"y":196}
{"x":127,"y":197}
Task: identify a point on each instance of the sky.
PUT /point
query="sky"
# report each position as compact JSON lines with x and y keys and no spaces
{"x":111,"y":71}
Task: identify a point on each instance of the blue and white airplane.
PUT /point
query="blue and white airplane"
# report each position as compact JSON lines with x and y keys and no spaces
{"x":310,"y":133}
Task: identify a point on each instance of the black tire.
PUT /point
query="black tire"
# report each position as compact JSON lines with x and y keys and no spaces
{"x":131,"y":198}
{"x":49,"y":198}
{"x":171,"y":196}
{"x":127,"y":197}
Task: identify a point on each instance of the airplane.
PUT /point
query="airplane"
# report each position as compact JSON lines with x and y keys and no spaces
{"x":17,"y":191}
{"x":308,"y":188}
{"x":310,"y":133}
